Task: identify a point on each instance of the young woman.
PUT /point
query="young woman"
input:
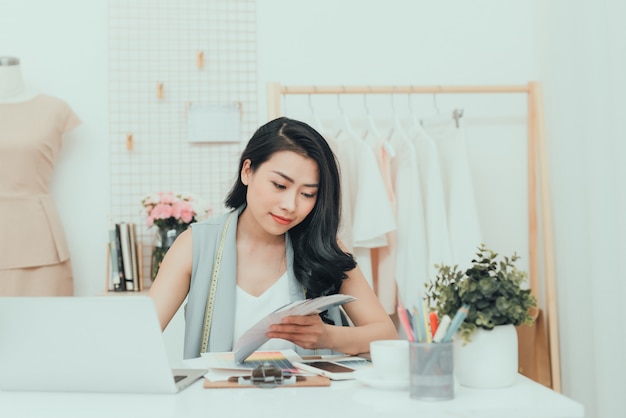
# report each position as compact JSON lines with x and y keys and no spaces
{"x":277,"y":245}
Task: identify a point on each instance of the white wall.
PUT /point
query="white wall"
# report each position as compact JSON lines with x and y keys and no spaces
{"x":583,"y":65}
{"x":63,"y":50}
{"x":395,"y":42}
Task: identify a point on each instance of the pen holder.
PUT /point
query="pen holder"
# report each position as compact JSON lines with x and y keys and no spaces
{"x":432,"y":371}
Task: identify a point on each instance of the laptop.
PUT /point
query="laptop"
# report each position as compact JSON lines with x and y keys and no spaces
{"x":111,"y":344}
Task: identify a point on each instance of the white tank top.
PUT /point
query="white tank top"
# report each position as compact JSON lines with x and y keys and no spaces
{"x":251,"y":309}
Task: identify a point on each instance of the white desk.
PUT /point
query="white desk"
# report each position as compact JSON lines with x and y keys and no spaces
{"x":525,"y":399}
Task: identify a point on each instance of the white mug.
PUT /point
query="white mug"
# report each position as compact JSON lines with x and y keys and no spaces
{"x":390,"y":359}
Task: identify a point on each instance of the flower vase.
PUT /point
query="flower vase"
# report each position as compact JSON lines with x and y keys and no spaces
{"x":163,"y":240}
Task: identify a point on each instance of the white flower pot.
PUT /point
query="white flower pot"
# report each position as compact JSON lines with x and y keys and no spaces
{"x":489,"y":360}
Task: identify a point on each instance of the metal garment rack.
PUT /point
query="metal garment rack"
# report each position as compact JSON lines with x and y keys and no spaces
{"x":539,"y":203}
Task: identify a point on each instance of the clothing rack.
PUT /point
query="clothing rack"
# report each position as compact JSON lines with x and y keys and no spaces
{"x":539,"y":203}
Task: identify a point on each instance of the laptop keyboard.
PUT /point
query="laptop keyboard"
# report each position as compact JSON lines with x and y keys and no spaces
{"x":178,"y":378}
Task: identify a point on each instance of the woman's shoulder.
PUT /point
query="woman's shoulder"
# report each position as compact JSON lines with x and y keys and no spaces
{"x":213,"y":222}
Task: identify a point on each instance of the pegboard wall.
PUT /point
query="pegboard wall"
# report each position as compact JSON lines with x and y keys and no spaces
{"x":165,"y":56}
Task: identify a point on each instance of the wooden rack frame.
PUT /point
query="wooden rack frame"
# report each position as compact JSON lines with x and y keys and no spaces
{"x":538,"y":177}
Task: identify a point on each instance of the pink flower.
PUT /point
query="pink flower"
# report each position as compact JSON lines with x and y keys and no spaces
{"x":182,"y":210}
{"x":170,"y":209}
{"x":167,"y":197}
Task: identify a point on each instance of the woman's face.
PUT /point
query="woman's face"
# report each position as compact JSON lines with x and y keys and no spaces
{"x":282,"y":191}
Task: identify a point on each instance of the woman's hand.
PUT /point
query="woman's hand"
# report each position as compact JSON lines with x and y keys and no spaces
{"x":308,"y":331}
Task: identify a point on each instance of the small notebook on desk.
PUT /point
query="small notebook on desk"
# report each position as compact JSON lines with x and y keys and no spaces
{"x":86,"y":344}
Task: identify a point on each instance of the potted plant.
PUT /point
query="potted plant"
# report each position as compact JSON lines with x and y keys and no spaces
{"x":486,"y":344}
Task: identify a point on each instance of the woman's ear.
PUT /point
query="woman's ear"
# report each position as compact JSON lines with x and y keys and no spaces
{"x":246,"y":172}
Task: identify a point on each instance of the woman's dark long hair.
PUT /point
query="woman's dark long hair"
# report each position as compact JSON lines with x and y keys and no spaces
{"x":319,"y":263}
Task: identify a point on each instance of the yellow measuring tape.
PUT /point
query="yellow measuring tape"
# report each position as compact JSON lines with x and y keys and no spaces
{"x":208,"y":312}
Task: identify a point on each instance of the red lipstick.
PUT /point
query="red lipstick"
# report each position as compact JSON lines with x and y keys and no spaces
{"x":281,"y":220}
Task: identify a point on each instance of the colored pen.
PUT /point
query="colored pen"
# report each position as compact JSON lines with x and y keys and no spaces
{"x":434,"y":322}
{"x":404,"y":321}
{"x":420,"y":321}
{"x":458,"y":319}
{"x":418,"y":326}
{"x":442,"y":328}
{"x":426,"y":319}
{"x":411,"y":320}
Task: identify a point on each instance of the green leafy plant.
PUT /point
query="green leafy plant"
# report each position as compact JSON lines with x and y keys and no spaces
{"x":492,"y":287}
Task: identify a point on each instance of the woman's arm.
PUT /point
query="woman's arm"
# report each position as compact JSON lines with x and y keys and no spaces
{"x":370,"y":320}
{"x":171,"y":285}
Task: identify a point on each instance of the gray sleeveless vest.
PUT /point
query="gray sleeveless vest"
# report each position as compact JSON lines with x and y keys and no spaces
{"x":206,"y":237}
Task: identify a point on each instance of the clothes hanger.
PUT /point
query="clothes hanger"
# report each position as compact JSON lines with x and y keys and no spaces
{"x":416,"y":125}
{"x":456,"y":115}
{"x":370,"y":121}
{"x":375,"y":131}
{"x":316,"y":120}
{"x":398,"y":127}
{"x":345,"y":127}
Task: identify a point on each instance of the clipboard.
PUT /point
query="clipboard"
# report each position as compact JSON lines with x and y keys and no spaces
{"x":233,"y":383}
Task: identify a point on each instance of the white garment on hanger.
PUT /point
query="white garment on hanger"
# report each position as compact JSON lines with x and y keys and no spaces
{"x":432,"y":191}
{"x":462,"y":213}
{"x":366,"y":216}
{"x":411,"y":236}
{"x":384,"y":259}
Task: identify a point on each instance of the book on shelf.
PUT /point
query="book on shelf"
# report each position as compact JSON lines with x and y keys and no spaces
{"x":134,"y":257}
{"x":254,"y":337}
{"x":115,"y":280}
{"x":124,"y":265}
{"x":120,"y":256}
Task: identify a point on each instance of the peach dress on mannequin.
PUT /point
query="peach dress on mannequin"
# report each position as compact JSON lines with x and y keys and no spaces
{"x":34,"y":256}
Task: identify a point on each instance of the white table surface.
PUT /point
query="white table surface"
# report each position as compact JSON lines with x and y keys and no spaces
{"x":344,"y":399}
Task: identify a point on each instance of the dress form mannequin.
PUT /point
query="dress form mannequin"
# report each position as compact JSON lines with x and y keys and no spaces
{"x":12,"y":86}
{"x":34,"y":255}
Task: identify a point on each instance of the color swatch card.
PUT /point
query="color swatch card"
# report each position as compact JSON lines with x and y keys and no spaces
{"x":225,"y":360}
